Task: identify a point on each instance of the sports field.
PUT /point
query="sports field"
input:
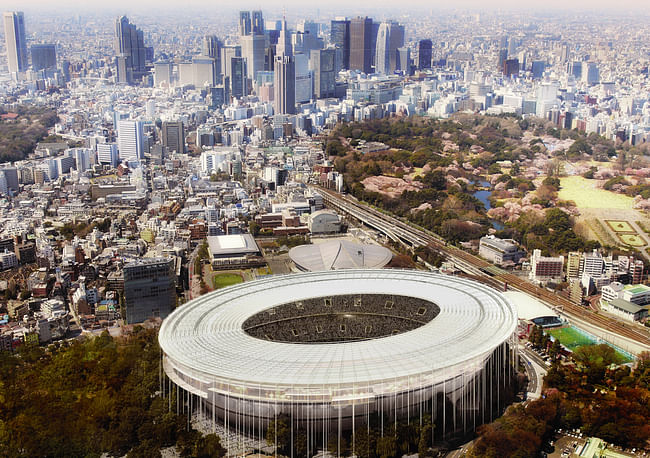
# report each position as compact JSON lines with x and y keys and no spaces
{"x":585,"y":194}
{"x":571,"y":338}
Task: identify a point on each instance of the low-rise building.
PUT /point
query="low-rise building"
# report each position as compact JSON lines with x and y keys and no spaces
{"x":626,"y":310}
{"x":500,"y":251}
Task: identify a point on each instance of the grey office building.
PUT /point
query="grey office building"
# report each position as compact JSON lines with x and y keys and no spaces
{"x":43,"y":56}
{"x":323,"y":67}
{"x":238,"y":83}
{"x":149,"y":289}
{"x":173,"y":136}
{"x":14,"y":23}
{"x":284,"y":85}
{"x":340,"y":38}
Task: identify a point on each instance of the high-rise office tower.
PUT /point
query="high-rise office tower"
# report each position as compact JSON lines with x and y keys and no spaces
{"x":228,"y":52}
{"x":404,"y":60}
{"x":340,"y":38}
{"x":591,"y":75}
{"x":511,"y":67}
{"x":322,"y":63}
{"x":284,"y":46}
{"x":361,"y":44}
{"x":382,"y":49}
{"x":253,"y":49}
{"x":238,"y":83}
{"x":503,"y":56}
{"x":257,"y":23}
{"x":204,"y":71}
{"x":129,"y":140}
{"x":173,"y":136}
{"x":43,"y":56}
{"x":162,"y":72}
{"x":129,"y":43}
{"x":425,"y":54}
{"x":575,"y":69}
{"x":124,"y":72}
{"x":537,"y":68}
{"x":212,"y":48}
{"x":149,"y":289}
{"x":284,"y":85}
{"x":303,"y":85}
{"x":14,"y":23}
{"x":244,"y":23}
{"x":396,"y":34}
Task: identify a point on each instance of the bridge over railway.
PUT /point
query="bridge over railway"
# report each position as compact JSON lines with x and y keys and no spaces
{"x":477,"y":268}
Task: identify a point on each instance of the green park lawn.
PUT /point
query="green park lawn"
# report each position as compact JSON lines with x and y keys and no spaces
{"x":632,"y":240}
{"x":620,"y":226}
{"x":585,"y":194}
{"x":221,"y":280}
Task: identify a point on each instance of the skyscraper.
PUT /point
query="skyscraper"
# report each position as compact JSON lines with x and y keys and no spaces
{"x":173,"y":136}
{"x":129,"y":140}
{"x":340,"y":38}
{"x":396,"y":34}
{"x":382,"y":56}
{"x":257,"y":23}
{"x":252,"y":49}
{"x":244,"y":23}
{"x":323,"y":66}
{"x":424,"y":54}
{"x":360,"y":44}
{"x":238,"y":83}
{"x":284,"y":46}
{"x":212,"y":48}
{"x":284,"y":85}
{"x":43,"y":56}
{"x":129,"y":43}
{"x":14,"y":23}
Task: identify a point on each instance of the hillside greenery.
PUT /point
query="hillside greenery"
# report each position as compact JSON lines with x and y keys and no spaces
{"x":18,"y":138}
{"x":90,"y":397}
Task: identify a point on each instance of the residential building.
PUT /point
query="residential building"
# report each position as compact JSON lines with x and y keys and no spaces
{"x":545,"y":268}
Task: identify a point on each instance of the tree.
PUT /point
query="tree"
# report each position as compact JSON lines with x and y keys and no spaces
{"x":279,"y":434}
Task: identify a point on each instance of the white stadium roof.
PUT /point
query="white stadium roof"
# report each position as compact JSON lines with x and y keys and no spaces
{"x":204,"y":339}
{"x":339,"y":254}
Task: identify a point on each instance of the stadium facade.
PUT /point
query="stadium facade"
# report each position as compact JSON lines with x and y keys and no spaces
{"x":335,"y":350}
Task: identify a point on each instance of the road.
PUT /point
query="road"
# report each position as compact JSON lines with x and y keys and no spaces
{"x":535,"y":370}
{"x":478,"y":268}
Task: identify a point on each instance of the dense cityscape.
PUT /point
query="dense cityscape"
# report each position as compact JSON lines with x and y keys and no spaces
{"x":324,"y":232}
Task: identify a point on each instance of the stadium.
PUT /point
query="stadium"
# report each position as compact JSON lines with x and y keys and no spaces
{"x":332,"y":351}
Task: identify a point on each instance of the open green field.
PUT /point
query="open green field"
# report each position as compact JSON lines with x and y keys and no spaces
{"x":221,"y":280}
{"x":585,"y":194}
{"x":620,"y":226}
{"x":571,"y":338}
{"x":632,"y":240}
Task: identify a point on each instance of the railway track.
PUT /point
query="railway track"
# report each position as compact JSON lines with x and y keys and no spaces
{"x":398,"y":230}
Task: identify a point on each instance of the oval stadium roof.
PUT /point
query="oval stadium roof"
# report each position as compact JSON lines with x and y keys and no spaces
{"x":339,"y":254}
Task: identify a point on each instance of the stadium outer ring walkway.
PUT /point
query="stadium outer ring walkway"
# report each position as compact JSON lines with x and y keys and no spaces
{"x":462,"y":358}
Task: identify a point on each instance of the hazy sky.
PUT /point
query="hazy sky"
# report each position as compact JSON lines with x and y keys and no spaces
{"x":266,"y":5}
